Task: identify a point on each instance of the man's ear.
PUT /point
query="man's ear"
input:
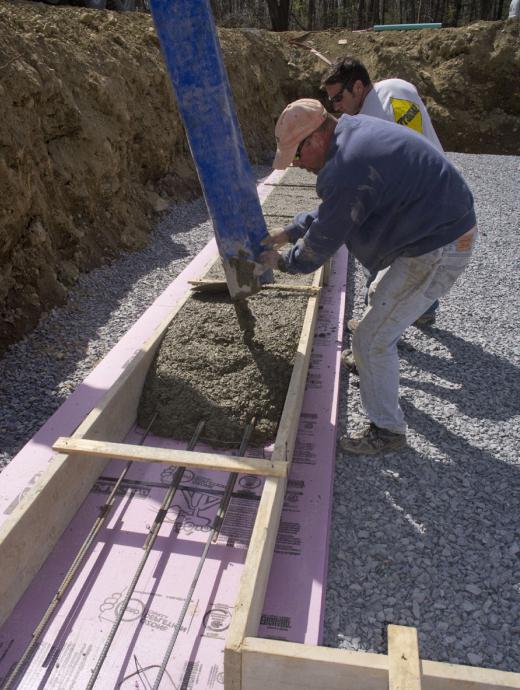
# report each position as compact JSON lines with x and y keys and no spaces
{"x":358,"y":88}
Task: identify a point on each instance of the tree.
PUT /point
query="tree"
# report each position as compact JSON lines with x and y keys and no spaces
{"x":279,"y":14}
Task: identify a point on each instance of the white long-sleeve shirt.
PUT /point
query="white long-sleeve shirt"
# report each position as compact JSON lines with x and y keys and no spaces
{"x":398,"y":101}
{"x":514,"y":9}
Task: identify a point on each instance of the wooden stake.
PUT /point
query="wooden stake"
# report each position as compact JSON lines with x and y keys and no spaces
{"x":404,"y":666}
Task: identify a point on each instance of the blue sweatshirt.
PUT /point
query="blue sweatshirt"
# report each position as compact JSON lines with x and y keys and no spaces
{"x":386,"y":192}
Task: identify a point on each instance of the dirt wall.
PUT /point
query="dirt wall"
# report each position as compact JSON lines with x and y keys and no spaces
{"x":91,"y":144}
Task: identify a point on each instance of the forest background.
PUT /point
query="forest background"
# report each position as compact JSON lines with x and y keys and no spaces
{"x":355,"y":15}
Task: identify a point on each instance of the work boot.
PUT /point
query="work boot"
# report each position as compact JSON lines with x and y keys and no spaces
{"x":352,"y":324}
{"x":424,"y":321}
{"x":372,"y":440}
{"x":347,"y":360}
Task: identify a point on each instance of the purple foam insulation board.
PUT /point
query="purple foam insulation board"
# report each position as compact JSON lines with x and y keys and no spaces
{"x":71,"y":644}
{"x":73,"y":641}
{"x":294,"y":604}
{"x":25,"y":469}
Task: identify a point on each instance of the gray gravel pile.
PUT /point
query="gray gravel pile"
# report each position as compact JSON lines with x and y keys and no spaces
{"x":430,"y":537}
{"x":427,"y":537}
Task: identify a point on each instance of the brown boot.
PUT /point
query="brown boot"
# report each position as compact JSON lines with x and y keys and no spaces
{"x":352,"y":324}
{"x":347,"y":360}
{"x":372,"y":440}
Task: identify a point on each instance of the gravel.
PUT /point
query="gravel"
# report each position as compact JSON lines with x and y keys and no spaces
{"x":427,"y":537}
{"x":430,"y":537}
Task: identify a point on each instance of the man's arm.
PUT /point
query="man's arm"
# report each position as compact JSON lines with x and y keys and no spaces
{"x":300,"y":224}
{"x":326,"y":233}
{"x":291,"y":232}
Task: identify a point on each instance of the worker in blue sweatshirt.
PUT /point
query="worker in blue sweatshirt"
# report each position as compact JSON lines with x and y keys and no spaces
{"x":403,"y":210}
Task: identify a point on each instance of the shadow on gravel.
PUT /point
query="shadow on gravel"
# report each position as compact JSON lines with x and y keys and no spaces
{"x":430,"y":544}
{"x":488,"y":385}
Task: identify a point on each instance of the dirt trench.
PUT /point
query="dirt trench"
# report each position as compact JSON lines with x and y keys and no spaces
{"x":92,"y":146}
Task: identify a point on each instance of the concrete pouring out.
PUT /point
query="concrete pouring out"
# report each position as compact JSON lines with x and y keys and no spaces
{"x":225,"y":370}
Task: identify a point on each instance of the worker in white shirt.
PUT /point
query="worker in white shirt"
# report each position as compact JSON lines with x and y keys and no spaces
{"x":514,"y":9}
{"x":351,"y":91}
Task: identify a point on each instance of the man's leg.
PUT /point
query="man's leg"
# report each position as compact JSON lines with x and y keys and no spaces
{"x":398,"y":296}
{"x":426,"y":319}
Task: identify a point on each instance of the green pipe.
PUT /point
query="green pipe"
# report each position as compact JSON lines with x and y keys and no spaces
{"x":397,"y":27}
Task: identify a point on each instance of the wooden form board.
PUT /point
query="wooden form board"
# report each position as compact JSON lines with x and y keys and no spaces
{"x":404,"y":667}
{"x":248,"y":608}
{"x":277,"y":664}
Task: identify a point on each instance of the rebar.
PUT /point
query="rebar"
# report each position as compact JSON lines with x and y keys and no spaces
{"x":104,"y":511}
{"x":147,"y":546}
{"x":213,"y":535}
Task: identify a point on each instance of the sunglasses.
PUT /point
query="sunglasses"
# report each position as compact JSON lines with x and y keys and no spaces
{"x":298,"y":153}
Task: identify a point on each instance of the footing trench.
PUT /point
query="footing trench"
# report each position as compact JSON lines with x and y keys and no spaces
{"x":131,"y":560}
{"x":121,"y":586}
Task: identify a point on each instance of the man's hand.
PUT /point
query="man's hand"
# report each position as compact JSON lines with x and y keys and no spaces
{"x":269,"y":258}
{"x":276,"y":238}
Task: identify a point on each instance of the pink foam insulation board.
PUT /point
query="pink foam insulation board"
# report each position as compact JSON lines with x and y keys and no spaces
{"x":72,"y":642}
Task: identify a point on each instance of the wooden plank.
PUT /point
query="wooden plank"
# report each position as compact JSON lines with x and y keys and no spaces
{"x":170,"y":456}
{"x":302,"y":667}
{"x":283,"y":287}
{"x":30,"y":533}
{"x":253,"y":584}
{"x":404,"y":669}
{"x":441,"y":676}
{"x":327,"y":268}
{"x":292,"y":666}
{"x":248,"y":606}
{"x":288,"y":428}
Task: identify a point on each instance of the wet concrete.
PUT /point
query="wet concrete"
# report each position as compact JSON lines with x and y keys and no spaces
{"x":227,"y":363}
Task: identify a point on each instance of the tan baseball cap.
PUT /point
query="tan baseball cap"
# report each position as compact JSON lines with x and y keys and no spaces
{"x":298,"y":120}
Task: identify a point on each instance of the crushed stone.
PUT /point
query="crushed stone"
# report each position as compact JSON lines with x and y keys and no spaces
{"x":427,"y":537}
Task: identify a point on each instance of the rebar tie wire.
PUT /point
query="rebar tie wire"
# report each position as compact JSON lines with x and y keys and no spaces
{"x":104,"y":512}
{"x":212,"y":537}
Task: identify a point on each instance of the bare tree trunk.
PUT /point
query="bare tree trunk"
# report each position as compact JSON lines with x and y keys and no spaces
{"x":456,"y":14}
{"x":279,"y":14}
{"x":311,"y":11}
{"x":361,"y":14}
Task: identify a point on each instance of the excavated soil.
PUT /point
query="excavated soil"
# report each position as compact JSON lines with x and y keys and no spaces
{"x":91,"y":144}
